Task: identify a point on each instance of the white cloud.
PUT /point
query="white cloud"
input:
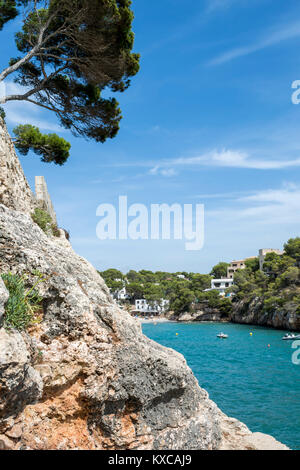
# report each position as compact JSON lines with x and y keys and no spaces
{"x":273,"y":37}
{"x":167,"y":172}
{"x":231,"y":159}
{"x":266,"y":207}
{"x":215,"y":158}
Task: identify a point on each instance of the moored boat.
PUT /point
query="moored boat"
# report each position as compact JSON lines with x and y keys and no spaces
{"x":290,"y":337}
{"x":222,"y":336}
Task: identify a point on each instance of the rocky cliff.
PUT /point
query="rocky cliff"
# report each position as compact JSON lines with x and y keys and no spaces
{"x":86,"y":377}
{"x":253,"y":313}
{"x":15,"y":191}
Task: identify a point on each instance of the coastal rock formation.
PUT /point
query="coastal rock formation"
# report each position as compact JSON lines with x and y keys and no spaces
{"x":253,"y":314}
{"x":15,"y":191}
{"x":86,"y":377}
{"x":236,"y":436}
{"x":102,"y":383}
{"x":243,"y":312}
{"x":204,"y":314}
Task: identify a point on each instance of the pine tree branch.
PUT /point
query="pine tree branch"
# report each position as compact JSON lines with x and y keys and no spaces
{"x":13,"y":68}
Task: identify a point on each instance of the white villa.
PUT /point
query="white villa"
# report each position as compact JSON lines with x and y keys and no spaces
{"x":152,"y":308}
{"x":221,"y":285}
{"x":121,"y":294}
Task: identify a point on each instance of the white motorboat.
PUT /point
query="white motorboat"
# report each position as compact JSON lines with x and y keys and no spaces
{"x":290,"y":337}
{"x":222,"y":336}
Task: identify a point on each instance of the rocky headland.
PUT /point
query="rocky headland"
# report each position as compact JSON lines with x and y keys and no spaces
{"x":244,"y":312}
{"x":84,"y":376}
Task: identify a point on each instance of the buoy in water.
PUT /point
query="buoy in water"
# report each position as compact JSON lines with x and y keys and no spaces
{"x":251,"y":334}
{"x":176,"y":334}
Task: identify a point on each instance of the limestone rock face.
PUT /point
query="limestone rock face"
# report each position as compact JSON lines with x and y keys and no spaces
{"x":103,"y":384}
{"x":15,"y":191}
{"x":252,"y":314}
{"x":204,"y":315}
{"x":236,"y":436}
{"x":20,"y":383}
{"x":86,"y":377}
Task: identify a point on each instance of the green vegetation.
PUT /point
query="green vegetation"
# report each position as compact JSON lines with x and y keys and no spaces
{"x":182,"y":289}
{"x":68,"y":54}
{"x":49,"y":146}
{"x":24,"y":305}
{"x":44,"y":221}
{"x":220,"y":270}
{"x":278,"y":286}
{"x":213,"y":300}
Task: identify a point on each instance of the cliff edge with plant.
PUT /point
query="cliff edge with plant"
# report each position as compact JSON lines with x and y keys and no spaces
{"x":76,"y":372}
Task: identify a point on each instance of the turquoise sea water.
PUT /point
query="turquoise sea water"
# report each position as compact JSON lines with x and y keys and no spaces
{"x":249,"y":381}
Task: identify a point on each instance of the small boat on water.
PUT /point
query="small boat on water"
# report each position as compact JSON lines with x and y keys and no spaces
{"x":222,"y":336}
{"x":290,"y":337}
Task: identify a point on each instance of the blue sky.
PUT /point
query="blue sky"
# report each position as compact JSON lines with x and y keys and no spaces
{"x":209,"y":119}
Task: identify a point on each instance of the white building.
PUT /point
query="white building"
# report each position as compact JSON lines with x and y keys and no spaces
{"x":221,"y":285}
{"x":152,"y":308}
{"x":121,"y":294}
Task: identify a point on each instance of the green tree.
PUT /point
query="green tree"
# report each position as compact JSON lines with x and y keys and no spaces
{"x":275,"y":265}
{"x":135,"y":290}
{"x":69,"y":52}
{"x":50,"y":147}
{"x":181,"y":300}
{"x":252,"y":264}
{"x":133,"y":276}
{"x":292,"y":248}
{"x":290,"y":277}
{"x":200,"y":282}
{"x":113,"y":278}
{"x":220,"y":270}
{"x":153,"y":293}
{"x":148,"y":276}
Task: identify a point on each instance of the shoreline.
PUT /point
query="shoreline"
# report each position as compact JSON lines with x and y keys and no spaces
{"x":155,"y":320}
{"x":166,"y":320}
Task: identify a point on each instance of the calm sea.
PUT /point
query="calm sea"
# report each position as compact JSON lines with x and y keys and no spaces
{"x":257,"y":384}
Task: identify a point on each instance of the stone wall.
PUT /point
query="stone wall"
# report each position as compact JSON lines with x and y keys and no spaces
{"x":15,"y":191}
{"x":43,"y":198}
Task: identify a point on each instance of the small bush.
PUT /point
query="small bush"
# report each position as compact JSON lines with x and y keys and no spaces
{"x":55,"y":230}
{"x":23,"y":305}
{"x":42,"y":219}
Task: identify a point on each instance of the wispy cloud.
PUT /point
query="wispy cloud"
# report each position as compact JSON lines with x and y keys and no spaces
{"x":215,"y":159}
{"x":273,"y":37}
{"x":231,"y":159}
{"x":167,"y":172}
{"x":266,"y":207}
